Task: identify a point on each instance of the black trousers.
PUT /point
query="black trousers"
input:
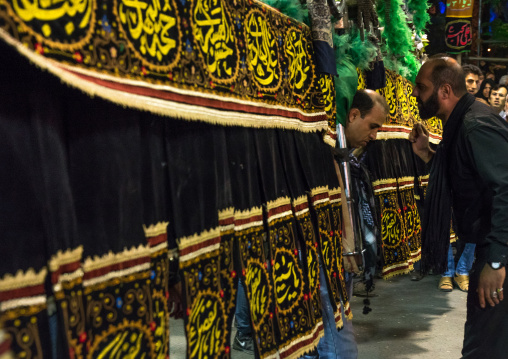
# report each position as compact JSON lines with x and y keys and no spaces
{"x":486,"y":330}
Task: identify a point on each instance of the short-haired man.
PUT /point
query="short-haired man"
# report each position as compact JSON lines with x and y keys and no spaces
{"x":469,"y":173}
{"x":497,"y":98}
{"x":366,"y":116}
{"x":472,"y":74}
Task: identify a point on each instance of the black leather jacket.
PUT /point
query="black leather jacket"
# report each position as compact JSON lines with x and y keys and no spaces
{"x":479,"y":181}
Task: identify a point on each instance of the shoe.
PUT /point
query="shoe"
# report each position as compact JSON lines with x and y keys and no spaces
{"x":462,"y":281}
{"x":244,"y":343}
{"x":360,"y":290}
{"x":445,"y":284}
{"x":416,"y":275}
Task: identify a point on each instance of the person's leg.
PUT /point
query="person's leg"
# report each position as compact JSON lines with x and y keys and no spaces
{"x":486,"y":330}
{"x":243,"y":339}
{"x":466,"y":260}
{"x":446,"y":284}
{"x":328,"y":346}
{"x":348,"y":348}
{"x":461,"y":277}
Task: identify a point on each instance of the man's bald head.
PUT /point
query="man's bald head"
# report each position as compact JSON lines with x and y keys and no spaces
{"x":446,"y":70}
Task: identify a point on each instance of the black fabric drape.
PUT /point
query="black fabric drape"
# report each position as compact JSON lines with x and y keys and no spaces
{"x":438,"y":203}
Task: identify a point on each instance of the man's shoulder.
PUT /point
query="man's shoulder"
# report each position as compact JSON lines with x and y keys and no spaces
{"x":479,"y":115}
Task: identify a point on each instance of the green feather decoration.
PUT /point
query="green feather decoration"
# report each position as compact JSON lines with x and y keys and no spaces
{"x":399,"y":45}
{"x":420,"y":15}
{"x":291,"y":8}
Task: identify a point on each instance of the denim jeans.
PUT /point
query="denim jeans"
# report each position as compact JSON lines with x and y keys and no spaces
{"x":464,"y":264}
{"x":242,"y":312}
{"x":336,"y":344}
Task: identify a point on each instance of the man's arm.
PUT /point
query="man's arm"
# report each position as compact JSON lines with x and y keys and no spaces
{"x":490,"y":149}
{"x":419,"y":137}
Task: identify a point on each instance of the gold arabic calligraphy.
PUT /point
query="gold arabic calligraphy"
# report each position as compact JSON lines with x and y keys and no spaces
{"x":205,"y":332}
{"x":215,"y":37}
{"x":287,"y":279}
{"x":262,"y":54}
{"x":150,"y":25}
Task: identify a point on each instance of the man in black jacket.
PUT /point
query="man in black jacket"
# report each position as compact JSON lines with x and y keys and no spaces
{"x":469,"y":172}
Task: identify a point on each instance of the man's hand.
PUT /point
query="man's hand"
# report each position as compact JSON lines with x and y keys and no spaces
{"x":419,"y":137}
{"x":490,"y":281}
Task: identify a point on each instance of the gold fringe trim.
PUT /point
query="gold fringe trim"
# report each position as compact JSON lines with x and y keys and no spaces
{"x":319,"y":329}
{"x":329,"y":140}
{"x":23,"y":279}
{"x":390,"y":181}
{"x":226,"y":213}
{"x":63,"y":258}
{"x":391,"y":135}
{"x":165,"y":107}
{"x":405,"y":179}
{"x":346,"y":308}
{"x":197,"y":238}
{"x":278,"y":203}
{"x":156,"y":229}
{"x":399,"y":271}
{"x":110,"y":258}
{"x":318,"y":190}
{"x":186,"y":92}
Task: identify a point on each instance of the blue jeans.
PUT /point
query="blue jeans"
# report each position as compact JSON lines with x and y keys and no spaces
{"x":464,"y":264}
{"x":242,"y":312}
{"x":336,"y":344}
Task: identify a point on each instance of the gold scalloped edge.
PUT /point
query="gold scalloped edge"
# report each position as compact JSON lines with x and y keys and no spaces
{"x":318,"y":190}
{"x":226,"y":213}
{"x":110,"y":258}
{"x":247,"y":213}
{"x":197,"y":238}
{"x":405,"y":179}
{"x":22,"y":279}
{"x":335,"y":191}
{"x":300,"y":200}
{"x":282,"y":201}
{"x":65,"y":257}
{"x":154,"y":230}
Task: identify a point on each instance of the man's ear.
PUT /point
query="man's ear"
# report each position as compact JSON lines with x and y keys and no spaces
{"x":445,"y":91}
{"x":354,"y":113}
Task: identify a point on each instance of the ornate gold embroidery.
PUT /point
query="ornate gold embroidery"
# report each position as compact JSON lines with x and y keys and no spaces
{"x":215,"y":38}
{"x":206,"y":326}
{"x":262,"y":55}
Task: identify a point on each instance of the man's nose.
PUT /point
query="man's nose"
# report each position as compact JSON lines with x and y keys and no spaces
{"x":373,"y":135}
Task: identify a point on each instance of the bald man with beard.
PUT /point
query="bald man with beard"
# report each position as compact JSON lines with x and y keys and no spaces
{"x":469,"y":172}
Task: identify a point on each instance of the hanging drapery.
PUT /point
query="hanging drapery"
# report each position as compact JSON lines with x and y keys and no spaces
{"x":399,"y":177}
{"x":100,"y":195}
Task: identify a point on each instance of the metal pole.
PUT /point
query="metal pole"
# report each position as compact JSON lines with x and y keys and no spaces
{"x":341,"y":137}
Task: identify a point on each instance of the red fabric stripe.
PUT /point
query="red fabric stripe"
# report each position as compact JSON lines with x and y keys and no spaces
{"x":22,"y":292}
{"x":199,"y":101}
{"x":116,"y":267}
{"x":277,"y":210}
{"x":65,"y":268}
{"x":195,"y":247}
{"x":153,"y":241}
